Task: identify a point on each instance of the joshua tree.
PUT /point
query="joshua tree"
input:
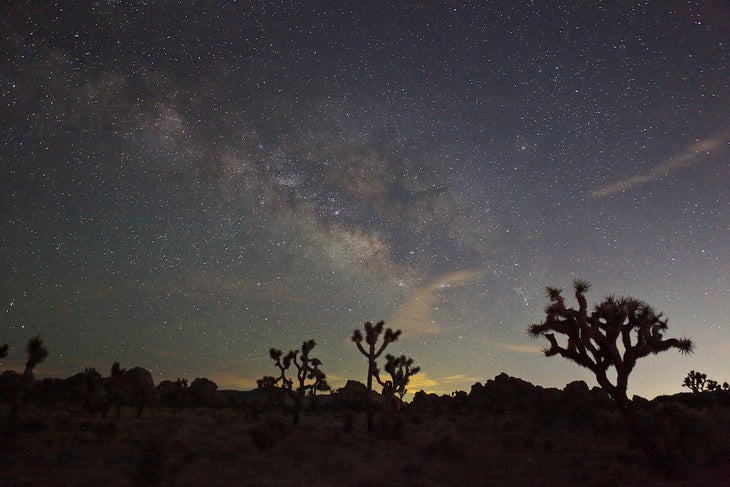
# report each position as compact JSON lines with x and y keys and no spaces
{"x":713,"y":385}
{"x":603,"y":339}
{"x":698,"y":382}
{"x":400,"y":370}
{"x":37,"y":353}
{"x":3,"y":350}
{"x":372,"y":333}
{"x":307,"y":370}
{"x":695,"y":381}
{"x":266,"y":382}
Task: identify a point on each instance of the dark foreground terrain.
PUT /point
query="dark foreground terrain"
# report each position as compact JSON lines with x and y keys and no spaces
{"x":505,"y":433}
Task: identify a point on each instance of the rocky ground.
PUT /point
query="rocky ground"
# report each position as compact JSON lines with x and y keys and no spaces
{"x":498,"y":435}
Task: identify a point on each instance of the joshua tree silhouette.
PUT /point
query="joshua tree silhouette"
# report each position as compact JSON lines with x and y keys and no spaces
{"x":307,"y":369}
{"x":37,"y":353}
{"x":3,"y":350}
{"x":698,"y":382}
{"x":400,"y":370}
{"x":695,"y":381}
{"x":603,"y":339}
{"x":372,"y":333}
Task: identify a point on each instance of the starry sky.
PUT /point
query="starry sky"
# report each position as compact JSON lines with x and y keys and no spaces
{"x":184,"y":185}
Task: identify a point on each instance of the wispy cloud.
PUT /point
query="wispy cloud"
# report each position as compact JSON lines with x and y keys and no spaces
{"x":421,"y":382}
{"x":517,"y":347}
{"x":691,"y":155}
{"x":415,"y":316}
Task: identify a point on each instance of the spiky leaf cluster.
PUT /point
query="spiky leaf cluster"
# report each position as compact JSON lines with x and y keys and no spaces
{"x":372,"y":334}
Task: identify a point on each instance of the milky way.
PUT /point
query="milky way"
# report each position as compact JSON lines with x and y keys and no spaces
{"x":185,"y":185}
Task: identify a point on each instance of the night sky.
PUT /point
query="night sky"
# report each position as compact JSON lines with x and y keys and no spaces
{"x":184,"y":185}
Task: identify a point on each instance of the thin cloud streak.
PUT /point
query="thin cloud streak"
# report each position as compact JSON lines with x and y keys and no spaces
{"x":690,"y":156}
{"x":517,"y":347}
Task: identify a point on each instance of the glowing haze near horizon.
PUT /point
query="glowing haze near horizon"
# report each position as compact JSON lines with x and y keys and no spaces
{"x":187,"y":184}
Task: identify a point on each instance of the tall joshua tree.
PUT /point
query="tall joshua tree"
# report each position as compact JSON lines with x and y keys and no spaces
{"x":617,"y":333}
{"x":307,"y":370}
{"x":372,"y":334}
{"x":400,"y":370}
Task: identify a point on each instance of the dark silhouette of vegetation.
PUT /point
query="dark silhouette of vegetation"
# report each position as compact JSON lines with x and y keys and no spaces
{"x":372,"y":334}
{"x":272,"y":395}
{"x":4,"y":351}
{"x":37,"y":353}
{"x":698,"y":382}
{"x":201,"y":392}
{"x":603,"y":339}
{"x":172,"y":393}
{"x":307,"y":370}
{"x":93,"y":394}
{"x":713,"y":385}
{"x":400,"y":370}
{"x":132,"y":386}
{"x":695,"y":381}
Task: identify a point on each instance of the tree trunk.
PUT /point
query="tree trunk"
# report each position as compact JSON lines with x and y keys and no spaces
{"x":370,"y":411}
{"x":643,"y":436}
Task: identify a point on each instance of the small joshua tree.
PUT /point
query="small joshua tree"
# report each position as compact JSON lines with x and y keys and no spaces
{"x":698,"y":382}
{"x":3,"y":350}
{"x":713,"y":385}
{"x":695,"y":381}
{"x":603,"y":339}
{"x":372,"y":333}
{"x":37,"y":353}
{"x":307,"y":370}
{"x":400,"y":370}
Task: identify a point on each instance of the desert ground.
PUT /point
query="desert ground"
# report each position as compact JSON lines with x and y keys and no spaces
{"x":505,"y":433}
